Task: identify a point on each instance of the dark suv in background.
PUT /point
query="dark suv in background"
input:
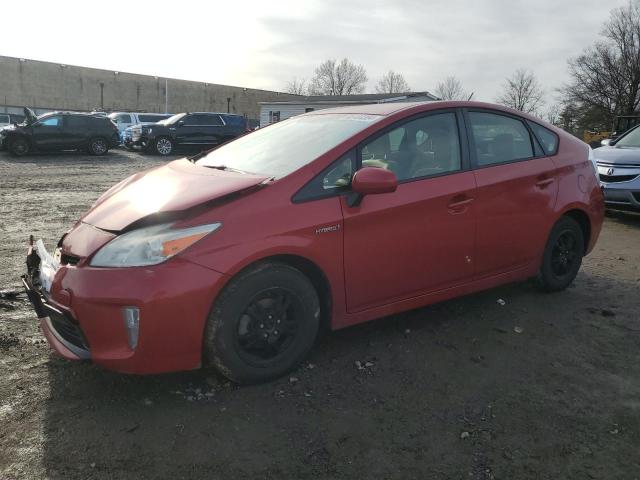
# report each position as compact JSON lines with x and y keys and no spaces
{"x":204,"y":129}
{"x":58,"y":131}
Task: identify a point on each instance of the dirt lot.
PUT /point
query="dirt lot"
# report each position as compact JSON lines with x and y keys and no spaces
{"x":546,"y":386}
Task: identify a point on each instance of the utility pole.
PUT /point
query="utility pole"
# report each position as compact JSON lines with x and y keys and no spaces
{"x":166,"y":95}
{"x":228,"y":102}
{"x":101,"y":96}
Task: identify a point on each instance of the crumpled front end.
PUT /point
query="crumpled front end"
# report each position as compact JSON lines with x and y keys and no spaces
{"x":132,"y":320}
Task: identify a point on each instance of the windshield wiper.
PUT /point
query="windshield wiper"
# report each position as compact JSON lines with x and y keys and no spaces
{"x":197,"y":156}
{"x":225,"y":168}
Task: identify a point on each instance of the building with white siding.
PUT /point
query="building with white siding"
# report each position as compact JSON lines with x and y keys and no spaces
{"x":274,"y":111}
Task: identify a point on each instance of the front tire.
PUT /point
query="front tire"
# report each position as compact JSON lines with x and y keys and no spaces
{"x":19,"y":147}
{"x":562,"y":256}
{"x":98,"y":146}
{"x":163,"y":146}
{"x":263,"y":324}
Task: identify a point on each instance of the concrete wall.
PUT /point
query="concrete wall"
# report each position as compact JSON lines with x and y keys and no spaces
{"x":51,"y":86}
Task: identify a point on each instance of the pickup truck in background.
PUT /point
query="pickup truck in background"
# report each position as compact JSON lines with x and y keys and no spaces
{"x":10,"y":119}
{"x":124,"y":120}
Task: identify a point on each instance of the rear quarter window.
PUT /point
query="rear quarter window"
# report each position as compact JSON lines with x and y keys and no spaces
{"x":547,"y":138}
{"x":234,"y":120}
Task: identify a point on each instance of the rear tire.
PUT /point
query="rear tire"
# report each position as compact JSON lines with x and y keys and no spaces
{"x":19,"y":147}
{"x":562,"y":256}
{"x":163,"y":146}
{"x":98,"y":146}
{"x":263,"y":324}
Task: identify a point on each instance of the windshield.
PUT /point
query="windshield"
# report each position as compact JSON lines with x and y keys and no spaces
{"x":284,"y":147}
{"x":632,"y":139}
{"x":172,"y":119}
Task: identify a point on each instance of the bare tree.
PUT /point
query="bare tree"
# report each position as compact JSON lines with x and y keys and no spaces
{"x":392,"y":82}
{"x":522,"y":91}
{"x":553,"y":114}
{"x":296,"y":86}
{"x":451,"y":89}
{"x":605,"y":78}
{"x":333,"y":78}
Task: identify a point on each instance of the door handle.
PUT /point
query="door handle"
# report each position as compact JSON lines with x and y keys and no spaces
{"x":544,"y":182}
{"x":459,"y":204}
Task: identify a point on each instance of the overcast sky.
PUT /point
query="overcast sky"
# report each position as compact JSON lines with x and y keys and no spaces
{"x":263,"y":44}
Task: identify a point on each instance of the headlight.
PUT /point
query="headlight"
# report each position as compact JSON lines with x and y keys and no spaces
{"x":149,"y":245}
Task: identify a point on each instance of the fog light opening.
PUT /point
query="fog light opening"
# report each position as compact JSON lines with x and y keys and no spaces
{"x":132,"y":325}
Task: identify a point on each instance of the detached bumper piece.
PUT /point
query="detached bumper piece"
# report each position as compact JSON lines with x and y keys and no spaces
{"x":62,"y":331}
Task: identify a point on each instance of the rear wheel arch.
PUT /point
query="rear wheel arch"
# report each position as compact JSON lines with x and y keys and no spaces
{"x":583,"y":220}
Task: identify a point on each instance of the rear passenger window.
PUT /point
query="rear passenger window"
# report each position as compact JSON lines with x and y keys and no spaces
{"x":76,"y":121}
{"x":499,"y":139}
{"x":202,"y":119}
{"x":548,"y":139}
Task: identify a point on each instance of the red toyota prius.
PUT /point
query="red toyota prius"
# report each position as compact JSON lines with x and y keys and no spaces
{"x":335,"y":217}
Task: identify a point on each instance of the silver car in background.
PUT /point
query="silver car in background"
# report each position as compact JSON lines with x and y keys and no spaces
{"x":618,"y":164}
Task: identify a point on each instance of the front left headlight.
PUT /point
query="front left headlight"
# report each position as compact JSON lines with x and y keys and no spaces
{"x":149,"y":245}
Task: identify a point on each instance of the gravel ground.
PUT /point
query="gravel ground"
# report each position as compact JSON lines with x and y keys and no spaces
{"x":544,"y":386}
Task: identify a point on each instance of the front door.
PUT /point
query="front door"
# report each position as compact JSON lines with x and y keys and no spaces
{"x":47,"y":133}
{"x":189,"y":131}
{"x":516,"y":195}
{"x":420,"y":238}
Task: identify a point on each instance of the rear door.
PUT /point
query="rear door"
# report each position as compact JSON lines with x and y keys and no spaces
{"x":421,"y":237}
{"x":516,"y":191}
{"x":214,"y":129}
{"x":75,"y":131}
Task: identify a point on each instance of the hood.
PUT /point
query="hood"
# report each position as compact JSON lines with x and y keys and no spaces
{"x":174,"y":187}
{"x":29,"y":116}
{"x":621,"y":156}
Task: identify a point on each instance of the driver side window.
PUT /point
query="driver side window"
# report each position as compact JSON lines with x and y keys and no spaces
{"x":423,"y":147}
{"x":52,"y":121}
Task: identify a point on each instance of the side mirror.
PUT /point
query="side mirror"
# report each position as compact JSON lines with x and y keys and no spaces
{"x":371,"y":181}
{"x":181,"y":123}
{"x":605,"y":142}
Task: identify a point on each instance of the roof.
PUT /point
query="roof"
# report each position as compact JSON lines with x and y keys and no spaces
{"x":352,"y":99}
{"x":386,"y":108}
{"x":391,"y":108}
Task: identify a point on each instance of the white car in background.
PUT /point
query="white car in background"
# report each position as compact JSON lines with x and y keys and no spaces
{"x":124,"y":120}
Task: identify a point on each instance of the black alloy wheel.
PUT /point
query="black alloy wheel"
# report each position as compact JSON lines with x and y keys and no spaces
{"x":98,"y":146}
{"x":562,"y":255}
{"x":268,"y":326}
{"x":263,"y":323}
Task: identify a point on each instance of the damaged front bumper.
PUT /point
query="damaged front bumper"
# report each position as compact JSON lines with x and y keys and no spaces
{"x":60,"y":329}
